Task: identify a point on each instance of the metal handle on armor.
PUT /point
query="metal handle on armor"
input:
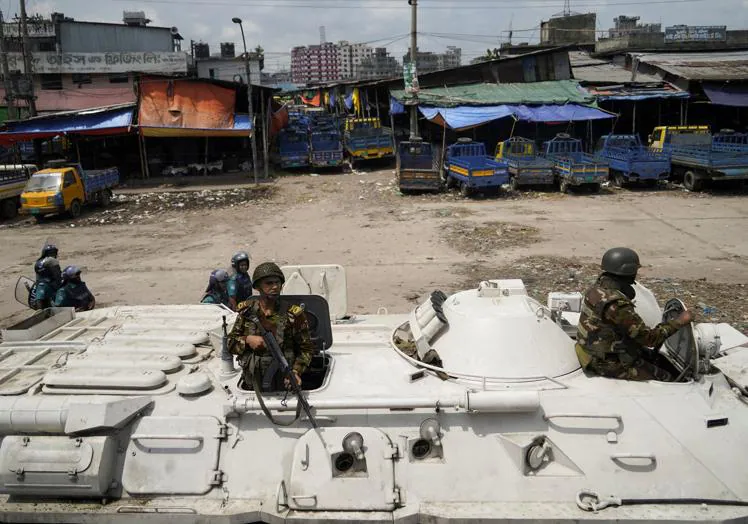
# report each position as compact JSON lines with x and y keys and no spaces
{"x":297,"y":498}
{"x":617,"y":417}
{"x":199,"y":438}
{"x":618,"y":457}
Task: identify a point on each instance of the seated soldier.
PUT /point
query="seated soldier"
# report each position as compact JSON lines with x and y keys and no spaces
{"x":74,"y":292}
{"x":612,"y":339}
{"x":285,"y":320}
{"x":216,"y":292}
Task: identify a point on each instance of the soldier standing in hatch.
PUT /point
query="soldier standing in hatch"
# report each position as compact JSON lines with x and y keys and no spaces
{"x":286,"y":321}
{"x":612,"y":339}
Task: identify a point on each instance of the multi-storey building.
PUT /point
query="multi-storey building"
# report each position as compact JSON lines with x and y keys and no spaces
{"x":350,"y":58}
{"x":427,"y":61}
{"x":78,"y":65}
{"x":315,"y":63}
{"x":379,"y":65}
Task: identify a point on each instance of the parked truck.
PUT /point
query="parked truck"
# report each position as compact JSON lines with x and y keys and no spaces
{"x":418,"y":166}
{"x":697,"y":157}
{"x":13,"y":178}
{"x":293,"y":148}
{"x":66,"y":188}
{"x":572,"y":166}
{"x":326,"y":148}
{"x":468,"y":166}
{"x":630,"y":161}
{"x":525,"y":166}
{"x":366,"y":139}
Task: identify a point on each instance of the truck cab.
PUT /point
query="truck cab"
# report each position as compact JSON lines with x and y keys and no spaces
{"x":663,"y":137}
{"x":525,"y":166}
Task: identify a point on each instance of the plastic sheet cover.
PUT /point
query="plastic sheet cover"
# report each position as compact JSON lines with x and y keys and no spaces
{"x":463,"y":117}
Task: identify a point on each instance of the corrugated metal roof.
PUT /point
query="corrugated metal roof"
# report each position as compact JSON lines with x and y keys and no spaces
{"x":588,"y":69}
{"x":555,"y":92}
{"x":637,"y":92}
{"x":732,"y":65}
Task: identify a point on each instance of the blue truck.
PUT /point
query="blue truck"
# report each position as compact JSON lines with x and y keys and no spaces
{"x":525,"y":166}
{"x":630,"y":161}
{"x":293,"y":148}
{"x":573,"y":167}
{"x":468,"y":166}
{"x":418,"y":166}
{"x":325,"y":141}
{"x":697,"y":157}
{"x":366,"y":139}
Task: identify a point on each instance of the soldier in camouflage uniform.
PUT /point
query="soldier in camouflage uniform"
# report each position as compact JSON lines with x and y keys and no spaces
{"x":286,"y":321}
{"x":612,"y":339}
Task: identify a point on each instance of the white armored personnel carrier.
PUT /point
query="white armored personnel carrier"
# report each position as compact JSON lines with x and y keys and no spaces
{"x":471,"y":407}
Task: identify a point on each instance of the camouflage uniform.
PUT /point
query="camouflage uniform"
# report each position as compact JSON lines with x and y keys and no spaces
{"x":611,"y":336}
{"x":289,"y":325}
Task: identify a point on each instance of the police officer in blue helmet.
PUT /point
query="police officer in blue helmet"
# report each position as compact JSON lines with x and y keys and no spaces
{"x":217,"y":290}
{"x":74,"y":292}
{"x":240,"y":283}
{"x":48,"y":282}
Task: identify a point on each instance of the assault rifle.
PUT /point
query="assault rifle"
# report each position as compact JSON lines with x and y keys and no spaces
{"x":287,"y":372}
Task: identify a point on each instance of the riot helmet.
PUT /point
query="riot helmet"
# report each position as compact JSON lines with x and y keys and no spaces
{"x":71,"y":273}
{"x":218,"y":279}
{"x":49,"y":250}
{"x":266,"y":270}
{"x":237,"y":259}
{"x":48,"y":267}
{"x":620,"y":261}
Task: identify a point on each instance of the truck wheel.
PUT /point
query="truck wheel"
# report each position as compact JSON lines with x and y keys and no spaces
{"x":9,"y":208}
{"x":75,"y":208}
{"x":465,"y":190}
{"x":618,"y":179}
{"x":106,"y":198}
{"x":692,"y":182}
{"x":449,"y":182}
{"x":513,"y":185}
{"x":564,"y":186}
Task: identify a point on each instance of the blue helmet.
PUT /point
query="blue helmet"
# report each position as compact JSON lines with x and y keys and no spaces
{"x":49,"y":250}
{"x":47,"y":267}
{"x":70,"y":273}
{"x":218,"y":276}
{"x":241,"y":256}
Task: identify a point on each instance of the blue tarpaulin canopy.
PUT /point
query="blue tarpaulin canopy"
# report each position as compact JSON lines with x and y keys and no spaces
{"x":396,"y":108}
{"x":726,"y":94}
{"x":101,"y":121}
{"x":463,"y":117}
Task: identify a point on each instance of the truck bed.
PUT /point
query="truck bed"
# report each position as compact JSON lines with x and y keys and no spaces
{"x":95,"y":180}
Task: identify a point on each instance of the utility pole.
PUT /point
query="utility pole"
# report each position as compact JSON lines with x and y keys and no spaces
{"x":7,"y":84}
{"x":253,"y":131}
{"x":413,"y":62}
{"x":28,"y":73}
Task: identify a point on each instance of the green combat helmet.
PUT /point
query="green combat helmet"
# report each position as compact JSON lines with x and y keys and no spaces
{"x":267,"y":269}
{"x":620,"y":261}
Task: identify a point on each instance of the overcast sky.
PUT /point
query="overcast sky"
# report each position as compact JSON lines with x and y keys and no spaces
{"x":278,"y":25}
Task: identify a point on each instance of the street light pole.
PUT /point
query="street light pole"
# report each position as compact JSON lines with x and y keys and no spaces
{"x":413,"y":63}
{"x":253,"y":131}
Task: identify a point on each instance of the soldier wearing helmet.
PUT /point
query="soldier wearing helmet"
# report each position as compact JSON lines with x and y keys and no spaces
{"x":74,"y":292}
{"x":285,"y":320}
{"x":48,"y":282}
{"x":612,"y":339}
{"x":239,"y":285}
{"x":216,"y":292}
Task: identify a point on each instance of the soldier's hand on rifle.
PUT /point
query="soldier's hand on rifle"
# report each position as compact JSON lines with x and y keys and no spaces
{"x":287,"y":381}
{"x":255,"y":342}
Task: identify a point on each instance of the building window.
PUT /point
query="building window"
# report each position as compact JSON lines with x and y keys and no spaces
{"x":46,"y":46}
{"x":212,"y":73}
{"x":51,"y":81}
{"x":119,"y":78}
{"x":81,"y":78}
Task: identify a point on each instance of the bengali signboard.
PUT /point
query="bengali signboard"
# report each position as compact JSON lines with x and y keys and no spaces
{"x":35,"y":29}
{"x":695,"y":33}
{"x":126,"y":62}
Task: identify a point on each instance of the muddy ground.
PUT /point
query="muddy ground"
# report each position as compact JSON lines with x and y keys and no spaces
{"x":158,"y":245}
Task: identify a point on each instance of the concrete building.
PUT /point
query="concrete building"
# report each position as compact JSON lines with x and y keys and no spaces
{"x":229,"y":67}
{"x":626,"y":25}
{"x":568,"y":29}
{"x":315,"y":63}
{"x":379,"y":65}
{"x":79,"y":64}
{"x":427,"y":61}
{"x":350,"y":58}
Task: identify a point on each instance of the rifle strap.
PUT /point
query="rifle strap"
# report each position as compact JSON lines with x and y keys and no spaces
{"x":258,"y":391}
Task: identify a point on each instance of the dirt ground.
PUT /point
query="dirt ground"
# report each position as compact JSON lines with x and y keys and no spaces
{"x":158,"y":245}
